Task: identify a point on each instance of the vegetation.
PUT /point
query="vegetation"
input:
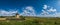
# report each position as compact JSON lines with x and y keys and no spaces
{"x":32,"y":21}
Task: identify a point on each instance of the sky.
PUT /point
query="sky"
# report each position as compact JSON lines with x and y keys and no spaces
{"x":41,"y":8}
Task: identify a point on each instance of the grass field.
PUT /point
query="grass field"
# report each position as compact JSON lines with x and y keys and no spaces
{"x":32,"y":21}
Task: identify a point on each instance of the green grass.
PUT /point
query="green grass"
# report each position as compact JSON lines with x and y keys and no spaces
{"x":32,"y":21}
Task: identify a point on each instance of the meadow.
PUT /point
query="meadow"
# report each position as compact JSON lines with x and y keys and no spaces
{"x":32,"y":21}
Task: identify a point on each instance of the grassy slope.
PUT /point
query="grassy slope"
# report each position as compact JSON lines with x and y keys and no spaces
{"x":32,"y":21}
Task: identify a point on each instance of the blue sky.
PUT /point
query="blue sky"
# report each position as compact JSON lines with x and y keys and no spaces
{"x":30,"y":7}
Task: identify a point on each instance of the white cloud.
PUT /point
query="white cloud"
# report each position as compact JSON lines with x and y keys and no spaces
{"x":47,"y":10}
{"x":28,"y":11}
{"x":30,"y":8}
{"x":57,"y":14}
{"x":7,"y":13}
{"x":44,"y":12}
{"x":52,"y":10}
{"x":45,"y":7}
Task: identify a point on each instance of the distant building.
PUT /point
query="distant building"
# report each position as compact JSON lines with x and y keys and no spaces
{"x":1,"y":19}
{"x":17,"y":15}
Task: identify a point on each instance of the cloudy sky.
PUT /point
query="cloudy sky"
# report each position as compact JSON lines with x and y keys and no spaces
{"x":45,"y":8}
